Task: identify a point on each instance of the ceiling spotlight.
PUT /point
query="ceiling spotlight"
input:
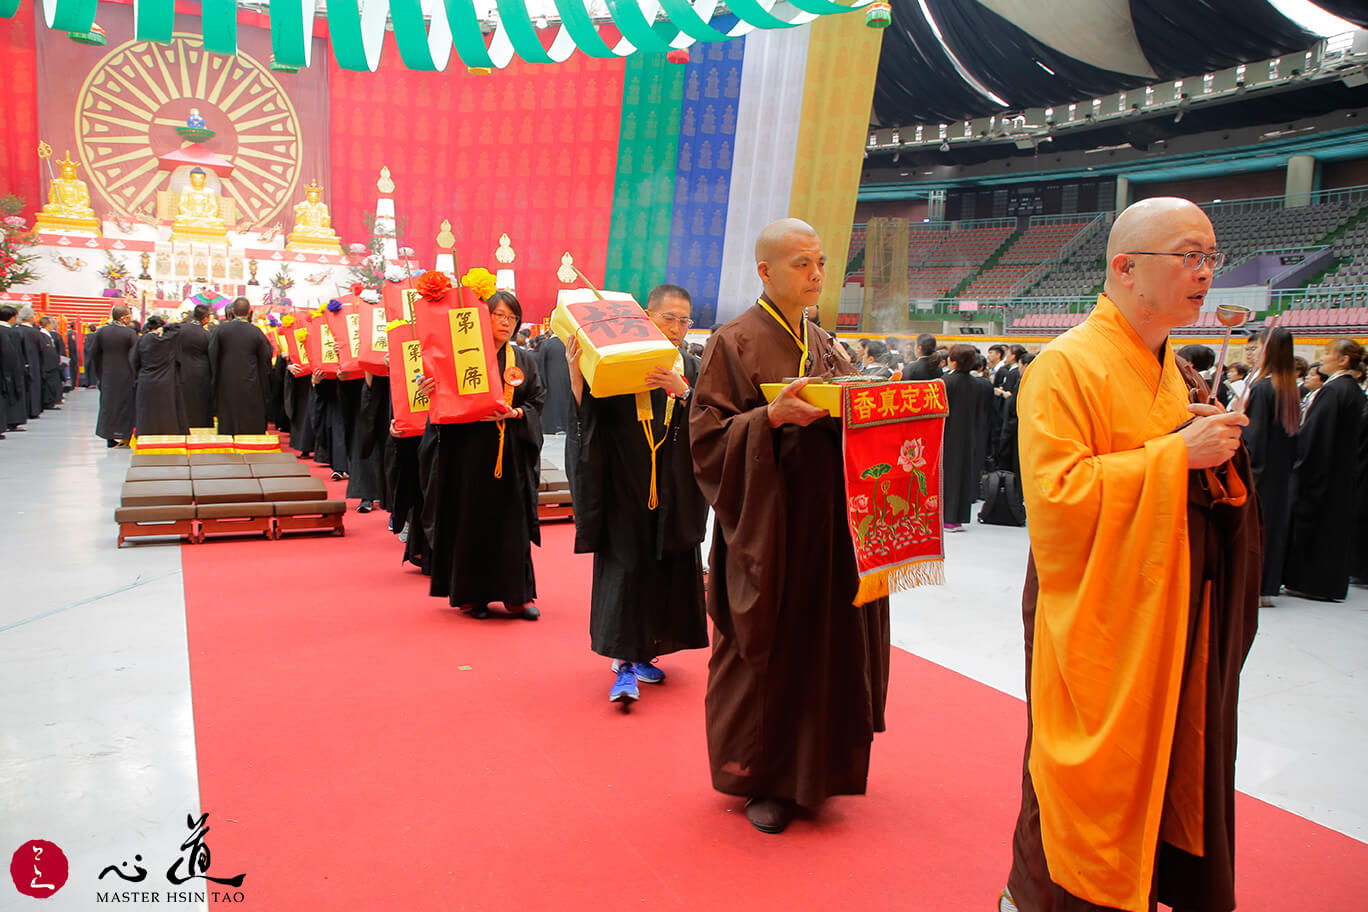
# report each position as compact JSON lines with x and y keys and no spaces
{"x":541,"y":22}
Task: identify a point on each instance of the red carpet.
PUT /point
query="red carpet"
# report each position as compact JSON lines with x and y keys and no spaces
{"x":349,"y":759}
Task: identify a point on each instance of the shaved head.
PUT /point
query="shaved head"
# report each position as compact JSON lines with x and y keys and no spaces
{"x":1147,"y":277}
{"x":1147,"y":224}
{"x":777,"y":237}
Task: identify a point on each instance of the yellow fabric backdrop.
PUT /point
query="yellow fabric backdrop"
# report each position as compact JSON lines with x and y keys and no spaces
{"x":885,"y":275}
{"x":843,"y":55}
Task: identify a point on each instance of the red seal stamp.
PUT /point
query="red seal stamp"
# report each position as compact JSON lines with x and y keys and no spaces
{"x":38,"y":868}
{"x":513,"y":376}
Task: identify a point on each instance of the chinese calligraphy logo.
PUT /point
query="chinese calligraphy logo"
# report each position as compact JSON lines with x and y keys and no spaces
{"x":39,"y":868}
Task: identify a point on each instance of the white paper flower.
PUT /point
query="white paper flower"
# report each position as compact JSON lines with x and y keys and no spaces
{"x":395,"y":273}
{"x":370,"y":296}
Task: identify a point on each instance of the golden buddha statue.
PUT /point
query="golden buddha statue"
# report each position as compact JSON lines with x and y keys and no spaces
{"x":197,"y":213}
{"x":313,"y":224}
{"x":68,"y":207}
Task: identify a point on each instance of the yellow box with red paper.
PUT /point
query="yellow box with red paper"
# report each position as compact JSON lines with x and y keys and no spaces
{"x":619,"y":343}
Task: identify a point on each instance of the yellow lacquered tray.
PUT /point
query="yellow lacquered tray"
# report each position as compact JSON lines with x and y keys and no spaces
{"x":823,"y":394}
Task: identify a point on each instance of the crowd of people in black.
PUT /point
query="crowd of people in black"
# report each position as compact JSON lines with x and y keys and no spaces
{"x":35,"y":366}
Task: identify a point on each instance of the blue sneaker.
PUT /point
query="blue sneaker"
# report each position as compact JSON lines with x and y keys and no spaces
{"x":625,"y":687}
{"x":646,"y":673}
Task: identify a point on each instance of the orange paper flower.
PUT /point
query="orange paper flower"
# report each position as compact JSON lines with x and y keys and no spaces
{"x":432,"y":285}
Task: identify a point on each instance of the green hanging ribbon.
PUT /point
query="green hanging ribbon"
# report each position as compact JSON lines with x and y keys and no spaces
{"x":521,"y":32}
{"x":422,"y":47}
{"x":465,"y":33}
{"x":153,"y":20}
{"x":292,"y":31}
{"x":630,"y":20}
{"x":576,"y":20}
{"x":218,"y":19}
{"x":8,"y":8}
{"x":69,"y":15}
{"x":683,"y":14}
{"x":357,"y":34}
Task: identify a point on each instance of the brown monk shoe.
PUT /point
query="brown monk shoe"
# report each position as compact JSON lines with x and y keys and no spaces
{"x":769,"y":815}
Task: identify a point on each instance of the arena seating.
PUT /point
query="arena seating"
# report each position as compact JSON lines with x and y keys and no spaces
{"x":939,"y":259}
{"x":1039,"y":243}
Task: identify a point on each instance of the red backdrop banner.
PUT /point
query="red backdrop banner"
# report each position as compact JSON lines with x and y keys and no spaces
{"x":116,"y":108}
{"x":530,"y":150}
{"x":19,"y":125}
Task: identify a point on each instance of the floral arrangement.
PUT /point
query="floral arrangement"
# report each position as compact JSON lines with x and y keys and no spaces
{"x":432,"y":284}
{"x":282,"y":280}
{"x":272,"y":320}
{"x":301,"y":335}
{"x":357,"y":288}
{"x":396,"y":273}
{"x":369,"y":295}
{"x":287,"y":321}
{"x":481,"y":281}
{"x":114,"y":271}
{"x":334,"y":305}
{"x":15,"y":268}
{"x":13,"y":221}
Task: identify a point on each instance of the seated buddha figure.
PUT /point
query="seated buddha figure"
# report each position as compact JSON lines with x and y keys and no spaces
{"x":313,"y":224}
{"x":197,"y":213}
{"x":68,"y":207}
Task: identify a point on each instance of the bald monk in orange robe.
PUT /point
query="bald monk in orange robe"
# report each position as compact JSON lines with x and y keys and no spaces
{"x":1141,"y":597}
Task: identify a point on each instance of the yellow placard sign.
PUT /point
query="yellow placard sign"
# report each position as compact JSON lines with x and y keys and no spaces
{"x":467,"y":346}
{"x":379,"y":338}
{"x":413,"y":366}
{"x":329,"y":344}
{"x":354,"y":333}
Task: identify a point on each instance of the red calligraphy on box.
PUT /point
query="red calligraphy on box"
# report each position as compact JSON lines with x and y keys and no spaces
{"x":610,"y":322}
{"x":458,"y":349}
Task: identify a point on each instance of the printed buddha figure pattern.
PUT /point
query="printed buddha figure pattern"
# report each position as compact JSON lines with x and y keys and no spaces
{"x":712,"y":86}
{"x":643,"y":197}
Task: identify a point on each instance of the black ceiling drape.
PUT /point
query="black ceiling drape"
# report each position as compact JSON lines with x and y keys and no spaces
{"x":917,"y":83}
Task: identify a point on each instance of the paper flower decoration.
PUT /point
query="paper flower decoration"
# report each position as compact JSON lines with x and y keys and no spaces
{"x":395,"y":273}
{"x":369,"y":295}
{"x":334,"y":305}
{"x":287,"y":321}
{"x":356,"y":288}
{"x":356,"y":248}
{"x":273,"y":320}
{"x":301,"y":335}
{"x":285,"y":302}
{"x":481,"y":281}
{"x":432,"y":285}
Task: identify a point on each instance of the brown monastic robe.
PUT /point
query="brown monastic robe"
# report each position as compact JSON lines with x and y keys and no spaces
{"x":798,"y":676}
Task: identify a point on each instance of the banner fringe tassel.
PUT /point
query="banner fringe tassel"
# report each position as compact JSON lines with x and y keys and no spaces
{"x":880,"y":583}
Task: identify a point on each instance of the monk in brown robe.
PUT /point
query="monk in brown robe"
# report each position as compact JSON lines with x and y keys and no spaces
{"x":798,"y":675}
{"x":1141,"y":596}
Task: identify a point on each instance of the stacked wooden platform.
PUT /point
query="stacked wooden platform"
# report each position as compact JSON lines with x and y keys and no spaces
{"x":192,"y":496}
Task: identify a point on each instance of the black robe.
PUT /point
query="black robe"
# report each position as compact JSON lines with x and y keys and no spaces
{"x":52,"y":367}
{"x":364,"y":469}
{"x":369,"y":434}
{"x":276,"y":413}
{"x":480,"y":529}
{"x":329,"y":420}
{"x":970,"y":399}
{"x":90,"y":377}
{"x":560,"y":403}
{"x":1007,"y":458}
{"x":299,"y":406}
{"x":1325,"y":492}
{"x":240,"y":359}
{"x":197,"y":380}
{"x":647,"y":597}
{"x":32,"y":337}
{"x":404,"y":482}
{"x":156,"y":379}
{"x":1271,"y":455}
{"x":798,"y":678}
{"x":13,"y":382}
{"x":111,"y":358}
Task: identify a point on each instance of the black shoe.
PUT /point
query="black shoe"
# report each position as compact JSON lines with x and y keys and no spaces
{"x":529,"y":612}
{"x":769,"y":815}
{"x":480,"y":612}
{"x":111,"y":444}
{"x":338,"y":476}
{"x":365,"y":507}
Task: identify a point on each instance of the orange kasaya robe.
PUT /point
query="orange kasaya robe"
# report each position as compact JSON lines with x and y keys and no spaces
{"x":1113,"y":760}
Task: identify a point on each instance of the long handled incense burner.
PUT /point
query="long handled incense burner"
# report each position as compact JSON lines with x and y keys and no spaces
{"x":1229,"y":316}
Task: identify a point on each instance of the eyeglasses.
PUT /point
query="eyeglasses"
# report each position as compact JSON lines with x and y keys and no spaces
{"x":504,"y":318}
{"x":1193,"y":259}
{"x":675,"y":321}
